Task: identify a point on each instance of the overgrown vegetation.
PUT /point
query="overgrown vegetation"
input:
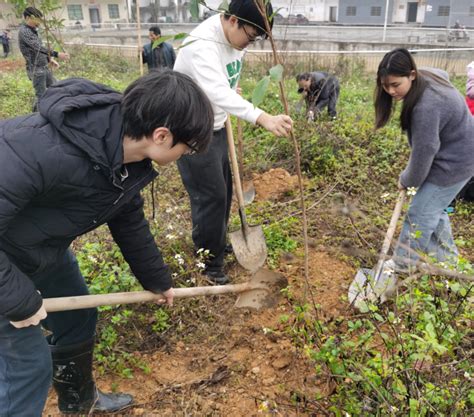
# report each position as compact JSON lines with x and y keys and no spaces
{"x":410,"y":357}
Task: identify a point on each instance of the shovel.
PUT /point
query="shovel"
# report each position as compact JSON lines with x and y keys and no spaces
{"x":248,"y":243}
{"x":260,"y":292}
{"x":369,"y":284}
{"x":248,"y":187}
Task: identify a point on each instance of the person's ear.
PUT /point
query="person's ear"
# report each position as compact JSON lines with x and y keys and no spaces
{"x":233,"y":20}
{"x":412,"y":75}
{"x":161,"y":135}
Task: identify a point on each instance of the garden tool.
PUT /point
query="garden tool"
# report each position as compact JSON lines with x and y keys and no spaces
{"x":248,"y":243}
{"x":248,"y":187}
{"x":260,"y":292}
{"x":370,"y":284}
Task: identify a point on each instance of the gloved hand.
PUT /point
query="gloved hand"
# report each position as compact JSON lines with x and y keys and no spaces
{"x":34,"y":320}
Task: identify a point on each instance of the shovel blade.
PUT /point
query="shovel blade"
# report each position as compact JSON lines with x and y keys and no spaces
{"x":249,"y":248}
{"x":265,"y":297}
{"x":248,"y":192}
{"x":365,"y":288}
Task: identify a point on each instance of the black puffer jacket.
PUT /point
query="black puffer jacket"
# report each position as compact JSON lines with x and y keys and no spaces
{"x":62,"y":176}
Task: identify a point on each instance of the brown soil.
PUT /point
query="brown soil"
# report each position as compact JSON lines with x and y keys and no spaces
{"x":8,"y":65}
{"x":274,"y":184}
{"x":246,"y":365}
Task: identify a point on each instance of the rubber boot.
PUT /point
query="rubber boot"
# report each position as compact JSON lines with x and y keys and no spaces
{"x":75,"y":386}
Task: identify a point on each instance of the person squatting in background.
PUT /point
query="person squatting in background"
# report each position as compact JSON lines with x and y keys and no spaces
{"x":320,"y":90}
{"x":440,"y":133}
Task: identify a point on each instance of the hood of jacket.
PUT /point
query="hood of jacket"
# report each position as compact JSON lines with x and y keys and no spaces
{"x":88,"y":115}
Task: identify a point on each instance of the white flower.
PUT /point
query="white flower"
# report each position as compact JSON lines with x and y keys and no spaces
{"x":201,"y":265}
{"x":181,"y":261}
{"x":177,"y":256}
{"x":200,"y":250}
{"x":170,"y":236}
{"x":266,"y":330}
{"x":467,"y":375}
{"x":169,"y":210}
{"x":384,"y":197}
{"x":174,"y":274}
{"x":411,"y":190}
{"x":170,"y":227}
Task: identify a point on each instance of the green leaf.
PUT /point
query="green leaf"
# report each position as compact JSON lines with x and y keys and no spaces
{"x":260,"y":90}
{"x":276,"y":73}
{"x":194,"y":8}
{"x":224,"y":6}
{"x":165,"y":38}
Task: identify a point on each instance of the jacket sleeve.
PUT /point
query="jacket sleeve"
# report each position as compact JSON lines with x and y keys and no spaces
{"x":19,"y":183}
{"x":132,"y":233}
{"x":425,"y":143}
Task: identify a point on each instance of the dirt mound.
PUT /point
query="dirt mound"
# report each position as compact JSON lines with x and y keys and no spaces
{"x":274,"y":184}
{"x":244,"y":363}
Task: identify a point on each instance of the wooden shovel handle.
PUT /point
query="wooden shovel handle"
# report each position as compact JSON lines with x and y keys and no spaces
{"x":90,"y":301}
{"x":390,"y":231}
{"x":235,"y":170}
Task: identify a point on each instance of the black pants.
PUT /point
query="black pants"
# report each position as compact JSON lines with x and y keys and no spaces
{"x":208,"y":180}
{"x":6,"y":49}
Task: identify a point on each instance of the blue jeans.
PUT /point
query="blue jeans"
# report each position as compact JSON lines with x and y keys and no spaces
{"x":426,"y":227}
{"x":25,"y":358}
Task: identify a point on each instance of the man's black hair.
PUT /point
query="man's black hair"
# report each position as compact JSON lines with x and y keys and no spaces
{"x":155,"y":29}
{"x":248,"y":13}
{"x":32,"y":12}
{"x":167,"y":98}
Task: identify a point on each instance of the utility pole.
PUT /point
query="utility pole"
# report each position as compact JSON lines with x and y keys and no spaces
{"x":385,"y":20}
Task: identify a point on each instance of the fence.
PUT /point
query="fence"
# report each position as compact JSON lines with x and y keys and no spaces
{"x":454,"y":61}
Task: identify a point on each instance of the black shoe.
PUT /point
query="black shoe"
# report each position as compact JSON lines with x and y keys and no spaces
{"x":228,"y":249}
{"x":217,"y":277}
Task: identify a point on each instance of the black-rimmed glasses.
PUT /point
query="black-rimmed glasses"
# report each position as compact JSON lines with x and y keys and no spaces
{"x":254,"y":38}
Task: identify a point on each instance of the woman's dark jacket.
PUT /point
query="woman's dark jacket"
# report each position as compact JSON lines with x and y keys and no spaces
{"x":62,"y":176}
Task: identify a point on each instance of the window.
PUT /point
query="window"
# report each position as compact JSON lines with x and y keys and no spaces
{"x":351,"y":11}
{"x":74,"y":12}
{"x":443,"y":11}
{"x":113,"y":11}
{"x":376,"y":11}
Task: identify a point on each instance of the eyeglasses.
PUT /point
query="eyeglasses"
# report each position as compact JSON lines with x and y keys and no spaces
{"x":193,"y":148}
{"x":254,"y":38}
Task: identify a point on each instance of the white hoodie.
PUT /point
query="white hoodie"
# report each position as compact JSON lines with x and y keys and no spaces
{"x":210,"y":60}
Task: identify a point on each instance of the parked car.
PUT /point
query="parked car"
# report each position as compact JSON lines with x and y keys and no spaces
{"x":298,"y":19}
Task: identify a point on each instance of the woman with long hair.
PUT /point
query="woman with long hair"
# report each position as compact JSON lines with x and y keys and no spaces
{"x":440,"y":132}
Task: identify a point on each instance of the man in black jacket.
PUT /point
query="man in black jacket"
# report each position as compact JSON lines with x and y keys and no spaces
{"x":37,"y":57}
{"x":79,"y":163}
{"x":320,"y":90}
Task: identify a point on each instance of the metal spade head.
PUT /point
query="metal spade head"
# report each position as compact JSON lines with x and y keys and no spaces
{"x":249,"y":247}
{"x":367,"y":288}
{"x":248,"y":192}
{"x":266,"y":292}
